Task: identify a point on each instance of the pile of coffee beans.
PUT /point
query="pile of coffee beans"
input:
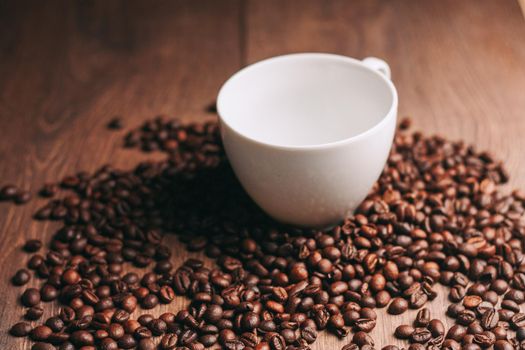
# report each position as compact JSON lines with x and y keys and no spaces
{"x":436,"y":215}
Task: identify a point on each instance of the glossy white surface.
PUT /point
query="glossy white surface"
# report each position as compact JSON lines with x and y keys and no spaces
{"x":308,"y":134}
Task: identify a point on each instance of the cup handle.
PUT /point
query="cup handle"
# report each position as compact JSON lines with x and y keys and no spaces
{"x":377,"y":64}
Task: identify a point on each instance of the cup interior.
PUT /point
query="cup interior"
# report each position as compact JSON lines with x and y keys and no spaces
{"x":305,"y":100}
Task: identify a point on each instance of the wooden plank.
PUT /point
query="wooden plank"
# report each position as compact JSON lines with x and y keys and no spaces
{"x":458,"y":68}
{"x":66,"y":68}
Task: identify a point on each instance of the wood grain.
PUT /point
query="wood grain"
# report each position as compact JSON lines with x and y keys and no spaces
{"x":67,"y":67}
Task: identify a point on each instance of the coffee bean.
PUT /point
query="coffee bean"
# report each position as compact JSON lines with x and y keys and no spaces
{"x":420,"y":335}
{"x":283,"y":284}
{"x":55,"y":323}
{"x":82,"y":338}
{"x":20,"y":329}
{"x":397,"y":306}
{"x":30,"y":297}
{"x":146,"y":344}
{"x":42,"y":346}
{"x":362,"y":339}
{"x":456,"y":332}
{"x":158,"y":326}
{"x":127,"y":342}
{"x":169,"y":342}
{"x":404,"y":331}
{"x":489,"y":319}
{"x":422,"y":318}
{"x":485,"y":339}
{"x":503,"y":345}
{"x":8,"y":192}
{"x":40,"y":333}
{"x":436,"y":327}
{"x":365,"y":324}
{"x":21,"y":277}
{"x":518,"y":320}
{"x":472,"y":301}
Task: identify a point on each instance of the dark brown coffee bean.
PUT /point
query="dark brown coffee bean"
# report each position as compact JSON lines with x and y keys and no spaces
{"x":518,"y":320}
{"x":169,"y":342}
{"x":456,"y":332}
{"x":32,"y":245}
{"x":485,"y":339}
{"x":309,"y":334}
{"x":158,"y":326}
{"x":82,"y":338}
{"x":30,"y":297}
{"x":466,"y":317}
{"x":503,"y":345}
{"x":42,"y":346}
{"x":404,"y":331}
{"x":150,"y":301}
{"x":127,"y":342}
{"x":55,"y":323}
{"x":420,"y":335}
{"x":20,"y":329}
{"x":8,"y":192}
{"x":41,"y":333}
{"x":422,"y":318}
{"x":362,"y":339}
{"x":146,"y":344}
{"x":48,"y":292}
{"x":489,"y":319}
{"x":365,"y":324}
{"x":397,"y":306}
{"x":436,"y":327}
{"x":21,"y":277}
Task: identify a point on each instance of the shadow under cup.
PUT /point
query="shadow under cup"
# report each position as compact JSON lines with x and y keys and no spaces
{"x":307,"y":134}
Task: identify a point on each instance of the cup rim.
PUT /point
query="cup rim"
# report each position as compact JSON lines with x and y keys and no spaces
{"x":384,"y":120}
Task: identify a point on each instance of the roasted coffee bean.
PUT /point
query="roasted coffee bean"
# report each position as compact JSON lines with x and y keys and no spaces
{"x":30,"y":297}
{"x":436,"y":327}
{"x":518,"y":320}
{"x":8,"y":192}
{"x":503,"y":345}
{"x":422,"y":318}
{"x":362,"y":339}
{"x":397,"y":306}
{"x":55,"y":323}
{"x":436,"y":214}
{"x":420,"y":335}
{"x":146,"y":344}
{"x":472,"y":301}
{"x":127,"y":342}
{"x":489,"y":319}
{"x":309,"y":334}
{"x":485,"y":339}
{"x":404,"y":331}
{"x":40,"y":333}
{"x":20,"y":329}
{"x":158,"y":326}
{"x":364,"y":324}
{"x":21,"y":277}
{"x":466,"y":317}
{"x":34,"y":313}
{"x":42,"y":346}
{"x":456,"y":332}
{"x":169,"y":341}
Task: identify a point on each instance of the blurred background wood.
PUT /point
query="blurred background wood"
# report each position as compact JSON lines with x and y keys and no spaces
{"x":66,"y":68}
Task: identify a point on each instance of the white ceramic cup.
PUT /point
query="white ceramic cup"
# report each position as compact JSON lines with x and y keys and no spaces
{"x":308,"y":134}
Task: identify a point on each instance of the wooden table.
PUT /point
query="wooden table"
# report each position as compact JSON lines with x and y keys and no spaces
{"x":67,"y":67}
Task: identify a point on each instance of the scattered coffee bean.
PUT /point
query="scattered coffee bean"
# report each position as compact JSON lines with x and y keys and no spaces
{"x":436,"y":215}
{"x":21,"y":329}
{"x":21,"y":277}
